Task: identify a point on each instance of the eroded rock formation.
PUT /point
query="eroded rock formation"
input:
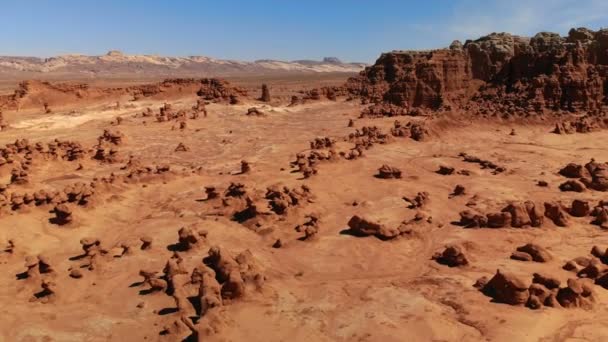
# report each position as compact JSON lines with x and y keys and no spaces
{"x":499,"y":74}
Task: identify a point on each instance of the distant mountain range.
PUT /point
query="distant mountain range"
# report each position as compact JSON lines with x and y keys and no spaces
{"x":117,"y":63}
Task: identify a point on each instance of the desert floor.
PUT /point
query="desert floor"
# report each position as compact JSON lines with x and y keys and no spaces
{"x":332,"y":287}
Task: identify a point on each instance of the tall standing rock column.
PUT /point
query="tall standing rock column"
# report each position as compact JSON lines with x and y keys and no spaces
{"x":265,"y":93}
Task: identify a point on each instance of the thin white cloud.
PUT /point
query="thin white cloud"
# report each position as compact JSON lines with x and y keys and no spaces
{"x":470,"y":20}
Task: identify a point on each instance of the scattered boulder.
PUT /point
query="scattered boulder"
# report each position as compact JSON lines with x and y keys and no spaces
{"x":310,"y":228}
{"x":601,"y":218}
{"x":577,"y":294}
{"x":519,"y":215}
{"x":419,"y":201}
{"x":75,"y":273}
{"x":415,"y":131}
{"x":146,"y":242}
{"x":281,"y":198}
{"x":114,"y":137}
{"x":535,"y":253}
{"x":63,"y":215}
{"x":573,"y":170}
{"x":92,"y":252}
{"x":507,"y":288}
{"x":236,"y":275}
{"x":468,"y":219}
{"x":388,"y":172}
{"x":451,"y":256}
{"x":199,"y":108}
{"x":499,"y":220}
{"x":598,"y":252}
{"x":154,"y":282}
{"x":210,"y":290}
{"x":593,"y":270}
{"x":598,"y":179}
{"x":521,"y":256}
{"x":182,"y":148}
{"x":360,"y":226}
{"x":48,"y":292}
{"x":547,"y":281}
{"x":556,"y":213}
{"x":580,"y":208}
{"x":253,"y":111}
{"x":245,"y":167}
{"x":37,"y":267}
{"x":445,"y":170}
{"x":19,"y":177}
{"x":321,"y":143}
{"x":294,"y":101}
{"x":211,"y":193}
{"x":516,"y":214}
{"x":459,"y":190}
{"x":190,"y":237}
{"x":572,"y":185}
{"x":577,"y":264}
{"x":484,"y":164}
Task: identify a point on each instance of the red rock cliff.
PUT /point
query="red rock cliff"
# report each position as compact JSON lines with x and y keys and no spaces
{"x":496,"y":73}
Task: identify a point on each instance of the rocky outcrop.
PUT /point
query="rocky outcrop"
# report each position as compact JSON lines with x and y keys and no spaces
{"x":415,"y":131}
{"x":516,"y":215}
{"x":544,"y":290}
{"x":593,"y":175}
{"x":498,"y":74}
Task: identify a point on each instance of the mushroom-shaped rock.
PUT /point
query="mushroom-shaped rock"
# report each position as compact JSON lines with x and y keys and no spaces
{"x":63,"y":214}
{"x":507,"y":288}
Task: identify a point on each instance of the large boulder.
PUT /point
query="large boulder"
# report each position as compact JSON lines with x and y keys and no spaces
{"x":507,"y":288}
{"x":360,"y":226}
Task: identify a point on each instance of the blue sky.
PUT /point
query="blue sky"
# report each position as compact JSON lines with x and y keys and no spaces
{"x":355,"y":30}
